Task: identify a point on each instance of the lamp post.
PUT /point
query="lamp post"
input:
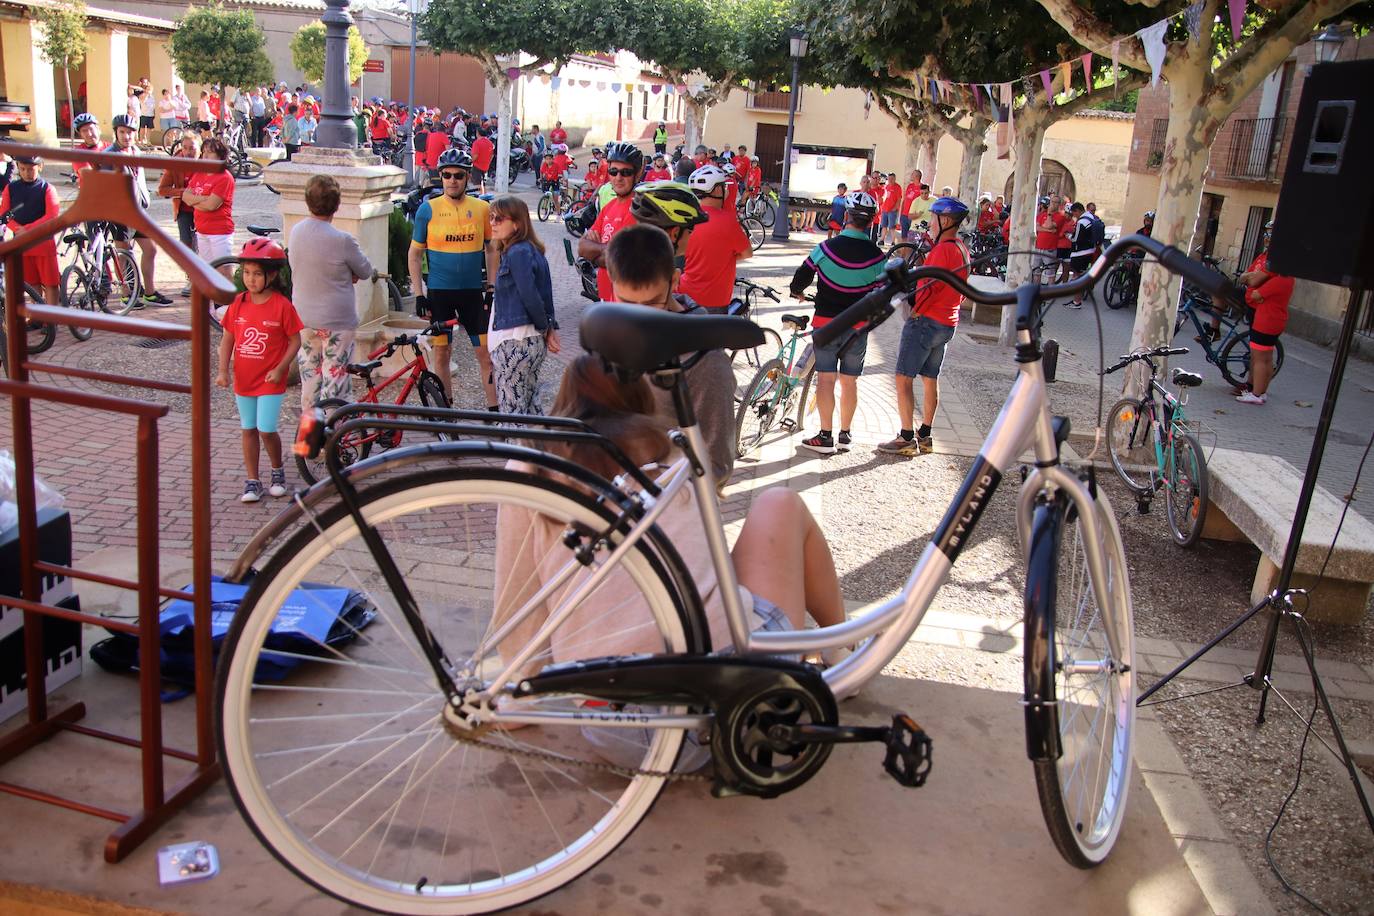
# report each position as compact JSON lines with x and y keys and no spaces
{"x":1328,"y":44}
{"x":797,"y":38}
{"x":336,"y":128}
{"x":414,"y":9}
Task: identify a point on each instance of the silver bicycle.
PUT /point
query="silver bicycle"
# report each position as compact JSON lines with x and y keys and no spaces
{"x":478,"y":746}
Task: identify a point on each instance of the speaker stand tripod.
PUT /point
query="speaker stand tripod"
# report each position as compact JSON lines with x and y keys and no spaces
{"x":1279,"y":604}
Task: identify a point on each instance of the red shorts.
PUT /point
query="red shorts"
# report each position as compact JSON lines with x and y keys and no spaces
{"x":41,"y":268}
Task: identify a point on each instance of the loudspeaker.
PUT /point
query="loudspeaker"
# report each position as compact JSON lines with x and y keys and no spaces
{"x":1324,"y":226}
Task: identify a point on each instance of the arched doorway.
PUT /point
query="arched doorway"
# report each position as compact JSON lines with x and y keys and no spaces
{"x":1055,"y":178}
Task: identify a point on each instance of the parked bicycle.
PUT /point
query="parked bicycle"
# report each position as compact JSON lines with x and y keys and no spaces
{"x":413,"y":376}
{"x":39,"y":335}
{"x":753,"y":228}
{"x":761,"y":206}
{"x":100,"y":275}
{"x":1152,"y":447}
{"x":453,"y":726}
{"x":1228,"y":348}
{"x":913,"y":253}
{"x":1122,"y":285}
{"x":745,"y":306}
{"x":780,"y":384}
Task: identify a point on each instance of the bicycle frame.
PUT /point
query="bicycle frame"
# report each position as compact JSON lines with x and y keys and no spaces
{"x":1164,"y":436}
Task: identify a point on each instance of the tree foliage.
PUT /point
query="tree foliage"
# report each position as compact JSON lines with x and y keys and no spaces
{"x":213,"y":44}
{"x":64,"y":34}
{"x":307,"y":52}
{"x":714,"y":45}
{"x":550,"y":31}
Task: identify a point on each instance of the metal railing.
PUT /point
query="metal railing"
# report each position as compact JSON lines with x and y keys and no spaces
{"x":1254,"y":149}
{"x":1154,"y":155}
{"x":771,"y":100}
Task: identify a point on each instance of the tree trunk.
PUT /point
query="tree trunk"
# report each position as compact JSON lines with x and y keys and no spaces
{"x":693,"y":121}
{"x":1192,"y":127}
{"x":71,"y":102}
{"x":926,"y":157}
{"x":971,"y":169}
{"x":912,"y":159}
{"x":1028,"y":142}
{"x":503,"y":107}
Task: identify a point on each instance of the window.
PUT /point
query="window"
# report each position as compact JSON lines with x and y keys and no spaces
{"x":1254,"y":229}
{"x":644,"y":96}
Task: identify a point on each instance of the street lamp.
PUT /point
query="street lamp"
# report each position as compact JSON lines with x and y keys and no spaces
{"x":1329,"y":44}
{"x":797,"y":39}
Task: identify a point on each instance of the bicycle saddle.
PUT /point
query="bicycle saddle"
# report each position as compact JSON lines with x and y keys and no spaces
{"x":364,"y":369}
{"x":800,"y":321}
{"x":74,"y":238}
{"x":641,"y":339}
{"x":1185,"y":379}
{"x":263,"y":230}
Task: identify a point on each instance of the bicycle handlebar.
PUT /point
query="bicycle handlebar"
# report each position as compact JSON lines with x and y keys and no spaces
{"x":875,"y":307}
{"x":763,"y":290}
{"x":1146,"y":355}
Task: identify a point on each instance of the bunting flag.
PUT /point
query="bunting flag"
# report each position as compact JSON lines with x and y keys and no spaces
{"x":934,"y":91}
{"x":1004,"y":123}
{"x":1116,"y":55}
{"x":1193,"y":16}
{"x":682,"y":88}
{"x":1049,"y":88}
{"x":585,"y":84}
{"x":670,"y":89}
{"x":1008,"y":106}
{"x":992,"y":102}
{"x":629,"y":87}
{"x":1066,"y":77}
{"x":1087,"y":60}
{"x":1237,"y":8}
{"x":555,"y":81}
{"x":1152,"y":39}
{"x":977,"y":98}
{"x":513,"y":72}
{"x":615,"y":87}
{"x":655,"y":88}
{"x":600,"y":87}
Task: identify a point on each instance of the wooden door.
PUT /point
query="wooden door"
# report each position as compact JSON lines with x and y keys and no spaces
{"x":770,"y":144}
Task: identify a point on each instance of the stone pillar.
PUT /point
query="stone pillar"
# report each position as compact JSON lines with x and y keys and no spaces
{"x":336,"y":128}
{"x":29,"y":79}
{"x":364,"y":209}
{"x":161,"y":71}
{"x":107,"y":75}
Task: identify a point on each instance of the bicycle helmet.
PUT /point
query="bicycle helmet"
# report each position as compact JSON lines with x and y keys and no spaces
{"x":83,"y":119}
{"x":754,"y":159}
{"x":596,"y":151}
{"x":1044,"y":201}
{"x":706,"y":179}
{"x":728,"y":169}
{"x":119,"y":121}
{"x":949,"y":206}
{"x":261,"y":249}
{"x":627,"y":153}
{"x":560,"y":147}
{"x":1149,"y":214}
{"x":861,"y":203}
{"x":455,"y":158}
{"x":667,"y":204}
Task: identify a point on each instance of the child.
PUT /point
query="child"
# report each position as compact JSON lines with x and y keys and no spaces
{"x":262,"y":332}
{"x":838,"y":205}
{"x":27,"y":201}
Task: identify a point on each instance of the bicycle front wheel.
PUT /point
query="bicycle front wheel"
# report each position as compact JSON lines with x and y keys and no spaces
{"x":353,"y":447}
{"x":1130,"y":444}
{"x":73,"y":292}
{"x":1080,"y":666}
{"x":545,"y":207}
{"x":754,"y":229}
{"x":122,"y":285}
{"x":346,"y":768}
{"x":1185,"y":489}
{"x":1118,"y":288}
{"x":758,"y":406}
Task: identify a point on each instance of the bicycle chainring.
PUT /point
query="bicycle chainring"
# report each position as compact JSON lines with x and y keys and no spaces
{"x":749,"y":761}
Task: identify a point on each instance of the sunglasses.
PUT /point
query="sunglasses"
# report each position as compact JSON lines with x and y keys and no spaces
{"x":616,"y":172}
{"x":453,"y":176}
{"x":498,"y":218}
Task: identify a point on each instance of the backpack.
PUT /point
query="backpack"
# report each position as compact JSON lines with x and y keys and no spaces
{"x":1099,"y":230}
{"x":314,"y":614}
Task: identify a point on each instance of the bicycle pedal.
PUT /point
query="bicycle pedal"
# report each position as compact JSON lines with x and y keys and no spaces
{"x":908,"y":757}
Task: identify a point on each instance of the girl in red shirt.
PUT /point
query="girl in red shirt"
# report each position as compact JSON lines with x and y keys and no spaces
{"x":262,"y":335}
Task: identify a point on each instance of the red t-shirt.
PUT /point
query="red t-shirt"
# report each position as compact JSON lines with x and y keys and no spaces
{"x":1271,"y":309}
{"x":731,"y":194}
{"x":940,"y":301}
{"x":435,"y":144}
{"x":755,"y":179}
{"x":912,"y":192}
{"x":262,"y":332}
{"x":482,"y":153}
{"x":892,"y":196}
{"x":1048,"y":239}
{"x":662,"y":174}
{"x":741,"y":164}
{"x":712,"y":250}
{"x":562,"y":162}
{"x":1066,"y":224}
{"x":213,"y":102}
{"x":548,"y":171}
{"x":381,"y":127}
{"x":558,"y":135}
{"x":214,"y":222}
{"x":612,"y":218}
{"x":1006,"y":230}
{"x":987,"y":219}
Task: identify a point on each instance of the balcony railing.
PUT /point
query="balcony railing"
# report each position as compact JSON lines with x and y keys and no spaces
{"x":1254,"y":150}
{"x":1154,"y":156}
{"x":772,"y":100}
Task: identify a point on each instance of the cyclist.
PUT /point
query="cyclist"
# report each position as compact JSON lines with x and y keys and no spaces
{"x":659,"y":171}
{"x":672,"y":207}
{"x":919,"y":208}
{"x":987,"y":215}
{"x":88,"y":129}
{"x":847,"y":266}
{"x":436,"y":142}
{"x":716,"y":246}
{"x":625,"y":160}
{"x":909,"y":195}
{"x":483,"y":154}
{"x":125,"y":130}
{"x":453,"y":229}
{"x":1147,"y":224}
{"x":27,"y":201}
{"x":925,"y":334}
{"x":889,"y":203}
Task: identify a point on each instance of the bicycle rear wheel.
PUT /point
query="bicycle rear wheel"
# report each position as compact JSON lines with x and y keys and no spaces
{"x":353,"y":447}
{"x":348,"y":771}
{"x":1185,"y":489}
{"x":1130,"y":443}
{"x":1118,"y":288}
{"x":75,"y":293}
{"x":759,"y":406}
{"x":170,"y":138}
{"x":754,"y":229}
{"x":1234,"y":359}
{"x":120,"y":284}
{"x":912,"y":254}
{"x":1080,"y":682}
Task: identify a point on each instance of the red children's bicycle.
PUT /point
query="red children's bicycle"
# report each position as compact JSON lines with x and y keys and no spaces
{"x":414,"y":376}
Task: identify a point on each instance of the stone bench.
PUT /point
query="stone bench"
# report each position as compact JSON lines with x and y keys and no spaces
{"x":1253,"y":498}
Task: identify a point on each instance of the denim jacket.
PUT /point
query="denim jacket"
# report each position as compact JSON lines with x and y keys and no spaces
{"x":524,"y":290}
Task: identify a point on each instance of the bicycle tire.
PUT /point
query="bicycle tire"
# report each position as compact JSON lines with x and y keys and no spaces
{"x":490,"y":804}
{"x":755,"y":356}
{"x":170,"y":138}
{"x":215,"y":309}
{"x":1115,"y":293}
{"x":911,"y":253}
{"x":1130,"y":444}
{"x":1235,"y":364}
{"x":766,"y":215}
{"x":1185,"y":489}
{"x":1075,"y":673}
{"x":431,"y":392}
{"x":126,"y":283}
{"x":754,"y":229}
{"x":39,"y":335}
{"x":760,"y":401}
{"x":352,"y":448}
{"x":545,"y":207}
{"x":804,"y":406}
{"x":394,"y":300}
{"x":83,"y":300}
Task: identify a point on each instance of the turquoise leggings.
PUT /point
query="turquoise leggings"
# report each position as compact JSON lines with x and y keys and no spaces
{"x":261,"y":412}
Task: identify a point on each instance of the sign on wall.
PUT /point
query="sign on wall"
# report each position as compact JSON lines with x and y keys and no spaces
{"x":374,"y":66}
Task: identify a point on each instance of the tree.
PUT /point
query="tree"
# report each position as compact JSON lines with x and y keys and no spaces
{"x":547,"y":31}
{"x":64,"y":42}
{"x":1208,"y":79}
{"x":217,"y":45}
{"x":307,"y":52}
{"x":712,"y":47}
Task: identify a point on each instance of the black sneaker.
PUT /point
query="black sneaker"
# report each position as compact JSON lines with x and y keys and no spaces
{"x":137,"y":304}
{"x":156,"y":298}
{"x":844,"y":438}
{"x":822,"y":443}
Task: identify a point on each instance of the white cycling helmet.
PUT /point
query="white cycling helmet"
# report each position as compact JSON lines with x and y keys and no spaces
{"x":706,"y":179}
{"x":861,"y":203}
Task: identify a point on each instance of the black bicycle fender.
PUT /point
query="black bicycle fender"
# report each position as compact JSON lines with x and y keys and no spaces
{"x":1039,"y":700}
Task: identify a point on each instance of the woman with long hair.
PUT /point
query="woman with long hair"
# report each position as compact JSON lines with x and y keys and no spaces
{"x":522,"y":330}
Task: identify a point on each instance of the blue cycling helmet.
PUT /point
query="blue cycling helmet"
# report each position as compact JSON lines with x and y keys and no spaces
{"x":949,"y":206}
{"x":83,"y":119}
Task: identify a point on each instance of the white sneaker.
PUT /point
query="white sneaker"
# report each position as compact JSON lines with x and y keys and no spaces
{"x":1250,"y":397}
{"x":252,"y":491}
{"x":278,"y":485}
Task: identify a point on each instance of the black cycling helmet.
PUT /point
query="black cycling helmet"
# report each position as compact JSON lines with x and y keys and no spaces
{"x":119,"y":121}
{"x":667,"y":205}
{"x":455,"y":158}
{"x":627,"y":153}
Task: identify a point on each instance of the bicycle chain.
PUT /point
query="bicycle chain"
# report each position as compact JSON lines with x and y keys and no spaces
{"x":627,"y":772}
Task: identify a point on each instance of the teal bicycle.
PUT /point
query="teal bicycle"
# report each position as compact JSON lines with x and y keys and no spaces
{"x":1153,"y":448}
{"x":782,"y":383}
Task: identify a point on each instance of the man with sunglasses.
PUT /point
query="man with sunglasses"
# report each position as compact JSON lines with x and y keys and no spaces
{"x":625,"y":163}
{"x":454,"y":228}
